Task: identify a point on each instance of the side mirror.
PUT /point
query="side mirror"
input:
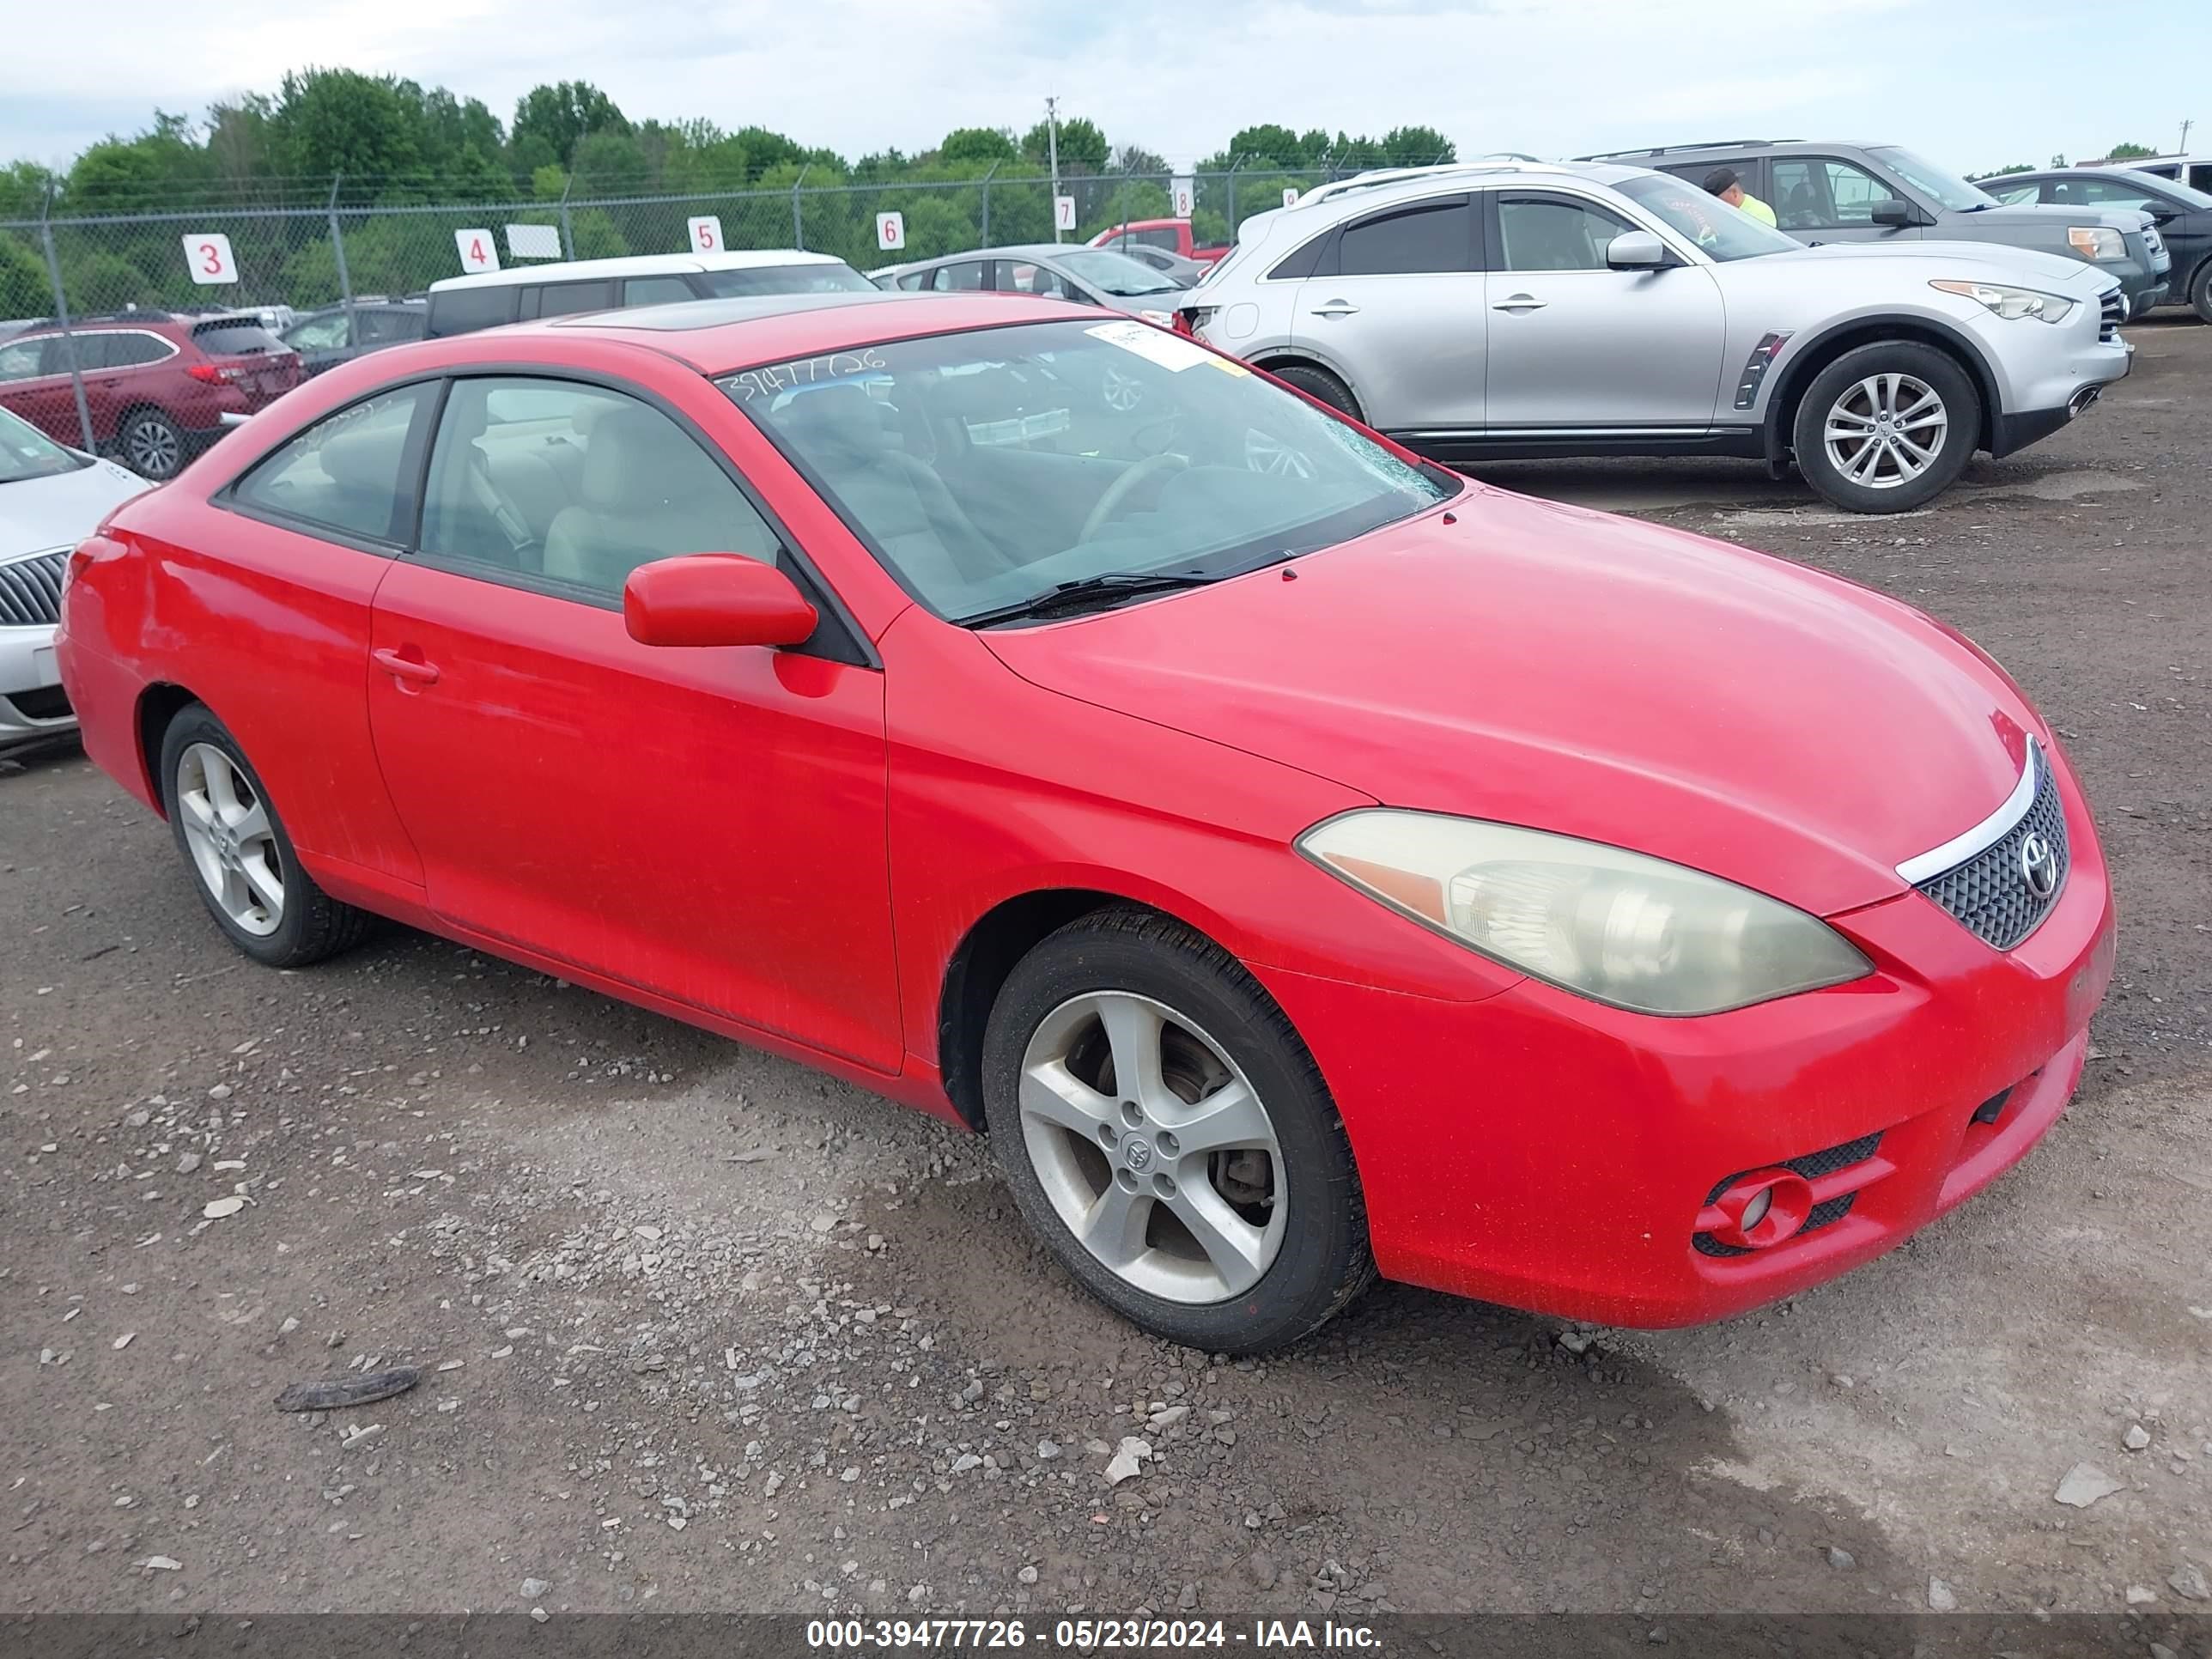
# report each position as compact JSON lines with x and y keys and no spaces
{"x":714,"y":599}
{"x":1893,"y":213}
{"x":1637,"y":250}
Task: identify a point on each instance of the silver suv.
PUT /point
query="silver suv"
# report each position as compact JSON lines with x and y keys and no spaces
{"x":1518,"y":310}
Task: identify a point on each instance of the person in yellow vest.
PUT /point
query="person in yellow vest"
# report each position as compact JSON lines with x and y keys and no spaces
{"x":1723,"y":183}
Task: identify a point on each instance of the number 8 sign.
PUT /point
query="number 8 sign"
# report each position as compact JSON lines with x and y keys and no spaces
{"x":208,"y":258}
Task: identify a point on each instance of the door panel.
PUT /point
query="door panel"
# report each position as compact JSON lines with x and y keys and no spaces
{"x":708,"y":824}
{"x":1399,"y":313}
{"x":1573,"y":344}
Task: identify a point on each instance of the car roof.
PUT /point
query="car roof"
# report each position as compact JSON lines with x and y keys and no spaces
{"x":718,"y":335}
{"x":639,"y":265}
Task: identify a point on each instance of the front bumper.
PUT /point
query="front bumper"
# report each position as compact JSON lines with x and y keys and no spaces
{"x":31,"y":702}
{"x":1547,"y":1152}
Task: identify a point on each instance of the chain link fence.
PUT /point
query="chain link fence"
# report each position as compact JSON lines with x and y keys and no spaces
{"x":283,"y":262}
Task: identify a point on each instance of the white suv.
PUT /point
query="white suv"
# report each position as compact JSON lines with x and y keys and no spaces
{"x":461,"y":305}
{"x":1521,"y":309}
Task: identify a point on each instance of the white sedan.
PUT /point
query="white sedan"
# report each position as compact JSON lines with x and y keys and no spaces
{"x":50,"y":498}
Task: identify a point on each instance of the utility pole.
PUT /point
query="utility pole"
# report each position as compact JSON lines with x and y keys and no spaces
{"x":2183,"y":148}
{"x":1052,"y":143}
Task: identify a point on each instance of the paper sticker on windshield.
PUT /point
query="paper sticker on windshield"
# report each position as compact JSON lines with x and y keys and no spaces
{"x":1170,"y":351}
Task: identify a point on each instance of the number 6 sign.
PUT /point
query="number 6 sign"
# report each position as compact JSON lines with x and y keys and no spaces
{"x":705,"y":233}
{"x":890,"y":232}
{"x":208,"y":258}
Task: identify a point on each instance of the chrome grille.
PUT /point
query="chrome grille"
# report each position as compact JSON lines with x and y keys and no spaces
{"x":31,"y":591}
{"x":2115,"y":310}
{"x":1989,"y":893}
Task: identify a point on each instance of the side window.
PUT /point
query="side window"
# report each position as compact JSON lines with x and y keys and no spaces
{"x":565,"y":299}
{"x":463,"y":310}
{"x":1539,"y":232}
{"x":1436,"y":236}
{"x":576,"y":484}
{"x":1821,"y":193}
{"x":127,"y":350}
{"x":2013,"y":196}
{"x":342,"y":472}
{"x":1159,"y":236}
{"x":382,"y":327}
{"x":1301,"y":264}
{"x":20,"y":359}
{"x":321,"y":333}
{"x":656,"y":291}
{"x":2107,"y":193}
{"x":967,"y":275}
{"x":1018,"y":278}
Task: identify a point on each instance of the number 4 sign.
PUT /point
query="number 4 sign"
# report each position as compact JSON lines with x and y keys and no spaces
{"x":705,"y":232}
{"x":208,"y":258}
{"x":478,"y":250}
{"x":890,"y":232}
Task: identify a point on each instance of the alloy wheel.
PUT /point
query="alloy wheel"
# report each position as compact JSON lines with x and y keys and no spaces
{"x":154,"y":448}
{"x":1153,"y":1148}
{"x":232,"y":841}
{"x":1885,"y":430}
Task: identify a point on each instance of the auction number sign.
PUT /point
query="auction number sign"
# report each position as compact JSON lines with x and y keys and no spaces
{"x":207,"y":256}
{"x":478,"y":250}
{"x":703,"y":233}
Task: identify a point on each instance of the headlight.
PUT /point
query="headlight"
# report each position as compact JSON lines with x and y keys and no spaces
{"x":2012,"y":301}
{"x":1615,"y":926}
{"x":2096,"y":242}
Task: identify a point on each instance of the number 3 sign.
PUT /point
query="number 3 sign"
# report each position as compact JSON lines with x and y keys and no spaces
{"x":208,"y":258}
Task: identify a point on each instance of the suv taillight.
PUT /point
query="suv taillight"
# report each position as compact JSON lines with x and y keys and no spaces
{"x":216,"y":373}
{"x":1188,"y":319}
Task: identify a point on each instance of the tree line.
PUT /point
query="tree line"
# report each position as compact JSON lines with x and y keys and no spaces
{"x":357,"y":143}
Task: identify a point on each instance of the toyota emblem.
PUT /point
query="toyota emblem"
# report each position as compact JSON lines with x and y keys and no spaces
{"x":2039,"y":865}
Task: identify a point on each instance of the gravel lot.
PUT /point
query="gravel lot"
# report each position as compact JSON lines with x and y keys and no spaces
{"x":711,"y":1331}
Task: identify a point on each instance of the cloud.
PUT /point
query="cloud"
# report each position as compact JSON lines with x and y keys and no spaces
{"x":1973,"y":81}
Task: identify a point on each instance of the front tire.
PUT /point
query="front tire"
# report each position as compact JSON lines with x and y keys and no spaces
{"x":153,"y":446}
{"x":1319,"y":383}
{"x":239,"y":856}
{"x":2200,"y":293}
{"x":1167,"y":1135}
{"x":1886,"y":428}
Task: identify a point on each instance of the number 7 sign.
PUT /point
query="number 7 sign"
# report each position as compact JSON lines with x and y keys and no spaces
{"x":207,"y":256}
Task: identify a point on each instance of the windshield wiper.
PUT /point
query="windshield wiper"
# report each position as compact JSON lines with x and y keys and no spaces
{"x":1091,"y":592}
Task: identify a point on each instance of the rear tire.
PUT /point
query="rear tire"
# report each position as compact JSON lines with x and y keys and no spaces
{"x":1319,"y":383}
{"x":2200,"y":293}
{"x":1886,"y":428}
{"x":1238,"y":1224}
{"x":153,"y":446}
{"x":238,"y":855}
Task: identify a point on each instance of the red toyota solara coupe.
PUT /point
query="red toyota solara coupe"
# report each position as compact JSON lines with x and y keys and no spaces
{"x":1304,"y":862}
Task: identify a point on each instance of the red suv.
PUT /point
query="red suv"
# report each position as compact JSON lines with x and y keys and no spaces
{"x":1173,"y":234}
{"x":157,"y":386}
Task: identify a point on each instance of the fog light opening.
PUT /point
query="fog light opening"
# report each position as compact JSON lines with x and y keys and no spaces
{"x":1763,"y":1209}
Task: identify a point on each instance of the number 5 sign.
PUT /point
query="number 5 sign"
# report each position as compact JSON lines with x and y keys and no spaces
{"x":478,"y":250}
{"x":705,"y":233}
{"x":890,"y":232}
{"x":209,"y":259}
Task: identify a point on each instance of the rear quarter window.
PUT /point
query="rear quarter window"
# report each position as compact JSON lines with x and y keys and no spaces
{"x":464,"y":310}
{"x":231,"y":338}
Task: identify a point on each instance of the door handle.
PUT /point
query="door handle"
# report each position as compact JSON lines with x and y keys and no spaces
{"x":1520,"y":302}
{"x":1336,"y":309}
{"x":406,"y":670}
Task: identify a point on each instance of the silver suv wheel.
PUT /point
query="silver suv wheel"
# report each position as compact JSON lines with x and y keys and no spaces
{"x":1885,"y":430}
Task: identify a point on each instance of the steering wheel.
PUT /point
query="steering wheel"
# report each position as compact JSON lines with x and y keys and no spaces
{"x":1118,"y":493}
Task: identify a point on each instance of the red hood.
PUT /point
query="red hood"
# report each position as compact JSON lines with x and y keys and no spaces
{"x":1570,"y":671}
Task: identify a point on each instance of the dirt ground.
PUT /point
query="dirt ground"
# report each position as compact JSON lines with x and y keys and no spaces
{"x":712,"y":1332}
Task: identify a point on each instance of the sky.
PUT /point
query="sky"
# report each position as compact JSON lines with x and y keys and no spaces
{"x":1974,"y":84}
